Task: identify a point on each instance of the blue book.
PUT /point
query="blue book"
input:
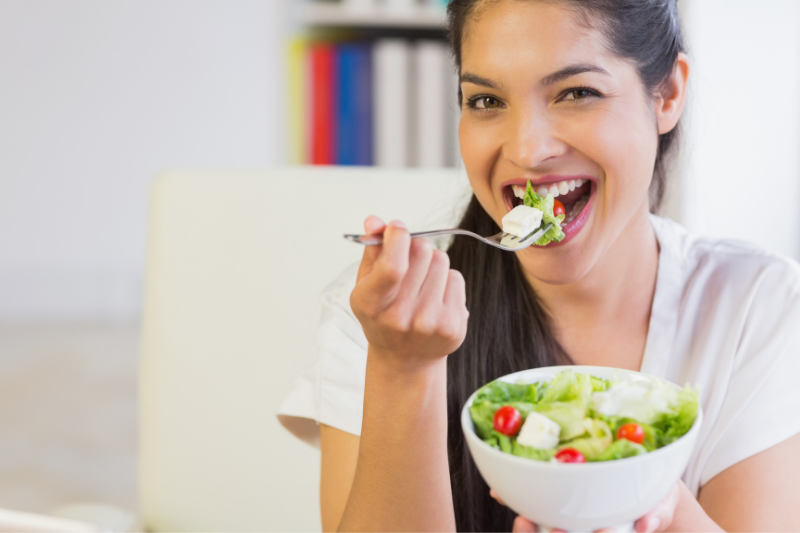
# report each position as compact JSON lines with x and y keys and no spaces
{"x":354,"y":104}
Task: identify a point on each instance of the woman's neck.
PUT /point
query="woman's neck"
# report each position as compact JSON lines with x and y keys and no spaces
{"x":602,"y":319}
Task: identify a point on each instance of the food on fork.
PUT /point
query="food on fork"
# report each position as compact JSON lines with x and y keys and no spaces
{"x":545,"y":205}
{"x":534,"y":212}
{"x":522,"y":221}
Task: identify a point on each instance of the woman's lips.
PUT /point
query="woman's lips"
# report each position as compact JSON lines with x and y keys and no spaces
{"x":578,"y":223}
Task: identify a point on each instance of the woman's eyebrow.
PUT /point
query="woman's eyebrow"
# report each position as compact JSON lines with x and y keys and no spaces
{"x":468,"y":77}
{"x":566,"y":72}
{"x":550,"y":79}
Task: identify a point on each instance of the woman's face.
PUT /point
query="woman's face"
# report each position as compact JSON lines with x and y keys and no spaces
{"x":545,"y":101}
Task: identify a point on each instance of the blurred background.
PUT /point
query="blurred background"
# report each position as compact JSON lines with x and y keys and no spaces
{"x":97,"y":98}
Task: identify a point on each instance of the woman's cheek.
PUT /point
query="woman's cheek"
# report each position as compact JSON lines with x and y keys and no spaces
{"x":624,"y":150}
{"x":478,"y":153}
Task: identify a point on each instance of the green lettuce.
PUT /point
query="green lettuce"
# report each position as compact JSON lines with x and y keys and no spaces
{"x":531,"y":453}
{"x":683,"y":412}
{"x":597,"y":440}
{"x":568,"y":386}
{"x":569,"y":415}
{"x":545,"y":205}
{"x":620,"y":449}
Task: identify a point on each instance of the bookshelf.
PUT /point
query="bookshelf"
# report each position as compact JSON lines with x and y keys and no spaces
{"x":336,"y":15}
{"x":410,"y":119}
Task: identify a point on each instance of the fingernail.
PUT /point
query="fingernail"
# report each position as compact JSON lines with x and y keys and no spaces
{"x":397,"y":224}
{"x":654,"y":523}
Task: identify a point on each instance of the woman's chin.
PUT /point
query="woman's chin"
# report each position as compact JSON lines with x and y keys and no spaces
{"x":560,"y":263}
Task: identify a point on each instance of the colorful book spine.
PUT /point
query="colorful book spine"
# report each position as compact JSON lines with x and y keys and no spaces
{"x":298,"y":101}
{"x":354,"y":128}
{"x":391,"y":73}
{"x":430,"y":104}
{"x":323,"y":104}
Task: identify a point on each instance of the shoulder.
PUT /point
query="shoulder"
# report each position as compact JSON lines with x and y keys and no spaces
{"x":331,"y":391}
{"x":727,"y":266}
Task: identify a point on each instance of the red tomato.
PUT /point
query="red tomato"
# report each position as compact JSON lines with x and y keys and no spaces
{"x":570,"y":455}
{"x":632,"y":432}
{"x":507,"y":420}
{"x":558,"y":208}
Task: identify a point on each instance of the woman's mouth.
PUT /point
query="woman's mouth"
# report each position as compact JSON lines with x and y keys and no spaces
{"x":575,"y":194}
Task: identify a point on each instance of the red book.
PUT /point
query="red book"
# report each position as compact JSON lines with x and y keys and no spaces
{"x":323,"y":108}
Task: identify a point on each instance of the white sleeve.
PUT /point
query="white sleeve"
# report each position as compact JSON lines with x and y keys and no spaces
{"x":332,"y":390}
{"x":762,"y":401}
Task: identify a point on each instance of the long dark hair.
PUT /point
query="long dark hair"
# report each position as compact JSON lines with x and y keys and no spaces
{"x":509,"y":329}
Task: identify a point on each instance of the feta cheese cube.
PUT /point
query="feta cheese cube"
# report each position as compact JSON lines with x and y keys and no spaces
{"x":539,"y":432}
{"x":522,"y":221}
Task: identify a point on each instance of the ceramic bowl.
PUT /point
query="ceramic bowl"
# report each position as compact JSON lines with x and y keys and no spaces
{"x":580,"y":497}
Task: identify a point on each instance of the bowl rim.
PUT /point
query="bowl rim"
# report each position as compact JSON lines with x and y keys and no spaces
{"x":468,"y":427}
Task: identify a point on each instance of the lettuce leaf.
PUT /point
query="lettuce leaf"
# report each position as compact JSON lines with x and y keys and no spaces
{"x":531,"y":453}
{"x":569,"y":415}
{"x":598,"y":439}
{"x":568,"y":386}
{"x":545,"y":205}
{"x":682,"y":414}
{"x":621,"y":449}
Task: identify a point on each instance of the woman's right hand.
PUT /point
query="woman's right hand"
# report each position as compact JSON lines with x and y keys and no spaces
{"x":411,"y":305}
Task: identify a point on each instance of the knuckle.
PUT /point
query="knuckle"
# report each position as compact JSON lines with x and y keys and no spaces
{"x":394,"y":320}
{"x":421,"y":247}
{"x":441,"y":259}
{"x":456,"y":278}
{"x":425,"y":324}
{"x":392,"y":271}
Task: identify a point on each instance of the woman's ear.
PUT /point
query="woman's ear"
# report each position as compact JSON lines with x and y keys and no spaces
{"x":671,"y":97}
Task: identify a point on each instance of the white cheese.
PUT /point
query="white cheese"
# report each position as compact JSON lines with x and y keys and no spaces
{"x":539,"y":432}
{"x":522,"y":221}
{"x":640,"y":399}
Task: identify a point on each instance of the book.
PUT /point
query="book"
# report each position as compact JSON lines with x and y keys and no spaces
{"x":354,"y":126}
{"x":298,"y":101}
{"x":430,"y":100}
{"x":390,"y":75}
{"x":323,"y":100}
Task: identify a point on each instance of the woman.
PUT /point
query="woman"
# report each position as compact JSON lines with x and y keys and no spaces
{"x":583,"y":98}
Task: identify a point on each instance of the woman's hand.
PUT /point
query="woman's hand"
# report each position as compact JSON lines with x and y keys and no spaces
{"x":659,"y":519}
{"x":411,"y":306}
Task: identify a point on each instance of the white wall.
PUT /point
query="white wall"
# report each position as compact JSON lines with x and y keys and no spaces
{"x":96,"y":98}
{"x":742,"y":154}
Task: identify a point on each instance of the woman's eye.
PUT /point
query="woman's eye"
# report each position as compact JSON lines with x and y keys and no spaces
{"x":484,"y":102}
{"x":578,"y":94}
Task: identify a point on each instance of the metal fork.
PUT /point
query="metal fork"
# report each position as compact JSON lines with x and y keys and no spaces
{"x":504,"y":241}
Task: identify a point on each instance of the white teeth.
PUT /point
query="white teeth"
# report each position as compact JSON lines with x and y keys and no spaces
{"x":579,"y":182}
{"x":554,"y":192}
{"x":542,"y":191}
{"x":563,"y":187}
{"x":519,"y":191}
{"x":571,"y":185}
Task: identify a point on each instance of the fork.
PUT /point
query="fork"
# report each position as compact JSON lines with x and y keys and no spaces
{"x":502,"y":240}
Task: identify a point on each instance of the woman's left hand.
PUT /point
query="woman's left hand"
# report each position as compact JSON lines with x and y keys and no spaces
{"x":659,"y":519}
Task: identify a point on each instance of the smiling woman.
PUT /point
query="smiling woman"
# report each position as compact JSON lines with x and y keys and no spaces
{"x":582,"y":99}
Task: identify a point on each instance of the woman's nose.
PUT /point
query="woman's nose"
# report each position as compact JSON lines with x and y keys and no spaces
{"x":530,"y":140}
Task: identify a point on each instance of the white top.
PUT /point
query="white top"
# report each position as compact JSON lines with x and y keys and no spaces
{"x":725,"y":317}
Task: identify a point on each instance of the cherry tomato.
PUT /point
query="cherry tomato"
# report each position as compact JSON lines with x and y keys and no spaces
{"x":507,"y":420}
{"x":570,"y":455}
{"x":558,"y":208}
{"x":632,"y":432}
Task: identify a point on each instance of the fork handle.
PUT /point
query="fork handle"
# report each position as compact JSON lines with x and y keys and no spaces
{"x":371,"y":240}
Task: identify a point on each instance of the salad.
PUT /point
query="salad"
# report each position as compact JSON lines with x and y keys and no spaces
{"x":576,"y":418}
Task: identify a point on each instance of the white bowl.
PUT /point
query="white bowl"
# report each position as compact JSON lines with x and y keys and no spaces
{"x":586,"y":496}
